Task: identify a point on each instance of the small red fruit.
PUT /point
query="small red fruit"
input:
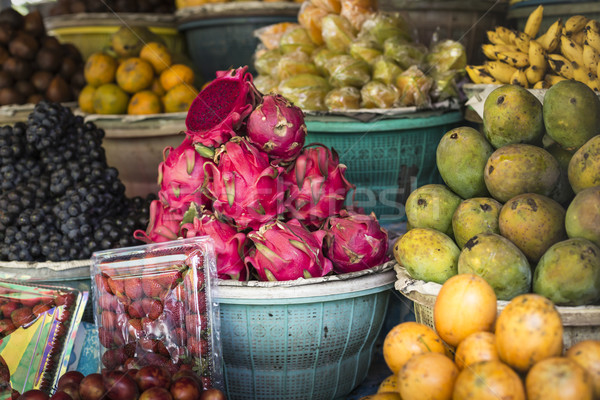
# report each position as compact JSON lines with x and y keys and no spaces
{"x":136,"y":309}
{"x":92,"y":387}
{"x":40,"y":308}
{"x":102,"y":283}
{"x":65,"y":299}
{"x":61,"y":395}
{"x":152,"y":307}
{"x":70,"y":377}
{"x":153,"y":376}
{"x":8,"y":308}
{"x":185,"y":388}
{"x":22,"y":316}
{"x":105,"y":337}
{"x":34,"y":394}
{"x":151,"y":286}
{"x":116,"y":285}
{"x":156,"y":393}
{"x":135,"y":328}
{"x":6,"y":327}
{"x":107,"y":302}
{"x":72,"y":389}
{"x":119,"y":385}
{"x":133,"y":288}
{"x":108,"y":320}
{"x":212,"y":394}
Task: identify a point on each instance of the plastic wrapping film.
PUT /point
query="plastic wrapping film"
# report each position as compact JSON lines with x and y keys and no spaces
{"x":37,"y":332}
{"x":154,"y":305}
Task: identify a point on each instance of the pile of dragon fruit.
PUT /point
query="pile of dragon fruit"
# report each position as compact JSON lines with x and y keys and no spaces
{"x":273,"y":206}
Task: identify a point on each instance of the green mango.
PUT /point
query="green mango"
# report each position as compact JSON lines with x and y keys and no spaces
{"x":582,"y":219}
{"x":432,"y":206}
{"x":584,"y":167}
{"x":473,"y":216}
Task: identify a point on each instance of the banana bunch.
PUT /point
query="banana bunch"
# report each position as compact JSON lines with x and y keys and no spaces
{"x":569,"y":50}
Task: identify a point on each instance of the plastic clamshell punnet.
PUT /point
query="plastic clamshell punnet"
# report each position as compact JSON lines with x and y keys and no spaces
{"x":153,"y":305}
{"x":37,"y":331}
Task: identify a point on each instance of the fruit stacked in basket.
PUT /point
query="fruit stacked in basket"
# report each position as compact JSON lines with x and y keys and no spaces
{"x":273,"y":206}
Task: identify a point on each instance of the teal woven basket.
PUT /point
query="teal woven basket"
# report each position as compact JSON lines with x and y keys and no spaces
{"x":386,"y":159}
{"x":306,"y":339}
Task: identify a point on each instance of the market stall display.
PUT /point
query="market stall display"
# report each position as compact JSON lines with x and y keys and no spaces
{"x":517,"y":350}
{"x":36,"y":66}
{"x":568,"y":49}
{"x":143,"y":81}
{"x":355,"y":58}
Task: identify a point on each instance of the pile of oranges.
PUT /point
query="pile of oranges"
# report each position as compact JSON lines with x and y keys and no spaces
{"x":149,"y":83}
{"x":475,"y":353}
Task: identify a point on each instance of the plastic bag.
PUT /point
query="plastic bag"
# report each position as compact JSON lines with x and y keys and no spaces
{"x":358,"y":11}
{"x":321,"y":58}
{"x":414,"y":87}
{"x":332,"y":6}
{"x":384,"y":25}
{"x":344,"y":98}
{"x":337,"y":33}
{"x":310,"y":18}
{"x":377,"y":94}
{"x":265,"y":83}
{"x":306,"y":91}
{"x":270,"y":35}
{"x":295,"y":39}
{"x":446,"y":56}
{"x":365,"y":49}
{"x":345,"y":70}
{"x":404,"y":53}
{"x":265,"y":62}
{"x":385,"y":70}
{"x":294,"y":63}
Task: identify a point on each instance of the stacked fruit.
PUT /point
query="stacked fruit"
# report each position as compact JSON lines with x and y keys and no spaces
{"x":146,"y":383}
{"x":155,"y":313}
{"x":62,"y":7}
{"x":520,"y":209}
{"x":342,"y":55}
{"x":473,"y":353}
{"x":59,"y":200}
{"x":141,"y":79}
{"x":274,"y":208}
{"x":569,"y":50}
{"x":35,"y":66}
{"x":180,"y":4}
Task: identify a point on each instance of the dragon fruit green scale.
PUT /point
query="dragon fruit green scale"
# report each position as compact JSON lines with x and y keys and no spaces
{"x":287,"y":251}
{"x":355,"y":242}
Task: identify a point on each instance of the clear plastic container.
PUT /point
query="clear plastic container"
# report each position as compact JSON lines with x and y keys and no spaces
{"x":153,"y":305}
{"x":38,"y":326}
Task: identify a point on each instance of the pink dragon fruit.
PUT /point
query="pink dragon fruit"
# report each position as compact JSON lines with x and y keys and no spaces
{"x":181,"y":177}
{"x":277,"y":127}
{"x":245,"y":186}
{"x":229,"y":244}
{"x":221,"y":107}
{"x":164,"y":225}
{"x":355,"y":242}
{"x":316,"y":185}
{"x":287,"y":251}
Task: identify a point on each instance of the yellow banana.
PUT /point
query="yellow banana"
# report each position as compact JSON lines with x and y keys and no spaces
{"x":590,"y":58}
{"x":506,"y":35}
{"x":514,"y":58}
{"x":571,"y":50}
{"x":561,"y":65}
{"x":541,"y":85}
{"x":494,"y":38}
{"x":579,"y":37}
{"x":537,"y":55}
{"x":552,"y":79}
{"x":535,"y":74}
{"x":592,"y":37}
{"x":491,"y":50}
{"x":478,"y":74}
{"x":532,"y":26}
{"x":551,"y":39}
{"x":593,"y":82}
{"x":575,"y":24}
{"x":500,"y":71}
{"x":598,"y":70}
{"x":593,"y":25}
{"x":522,"y":42}
{"x":579,"y":73}
{"x":519,"y":78}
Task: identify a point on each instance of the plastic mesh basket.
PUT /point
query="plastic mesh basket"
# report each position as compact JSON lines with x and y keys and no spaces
{"x":309,"y":340}
{"x":386,"y":159}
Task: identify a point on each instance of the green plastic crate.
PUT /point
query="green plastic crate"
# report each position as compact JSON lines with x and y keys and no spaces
{"x":386,"y":159}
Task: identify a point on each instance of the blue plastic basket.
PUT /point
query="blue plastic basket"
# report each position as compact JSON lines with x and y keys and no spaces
{"x":307,"y":339}
{"x":386,"y":159}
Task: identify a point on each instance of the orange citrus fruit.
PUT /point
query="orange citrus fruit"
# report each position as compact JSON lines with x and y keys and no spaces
{"x":100,"y":68}
{"x":135,"y":75}
{"x":110,"y":99}
{"x":158,"y":55}
{"x":175,"y":75}
{"x":86,"y":99}
{"x":179,"y":98}
{"x":144,"y":103}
